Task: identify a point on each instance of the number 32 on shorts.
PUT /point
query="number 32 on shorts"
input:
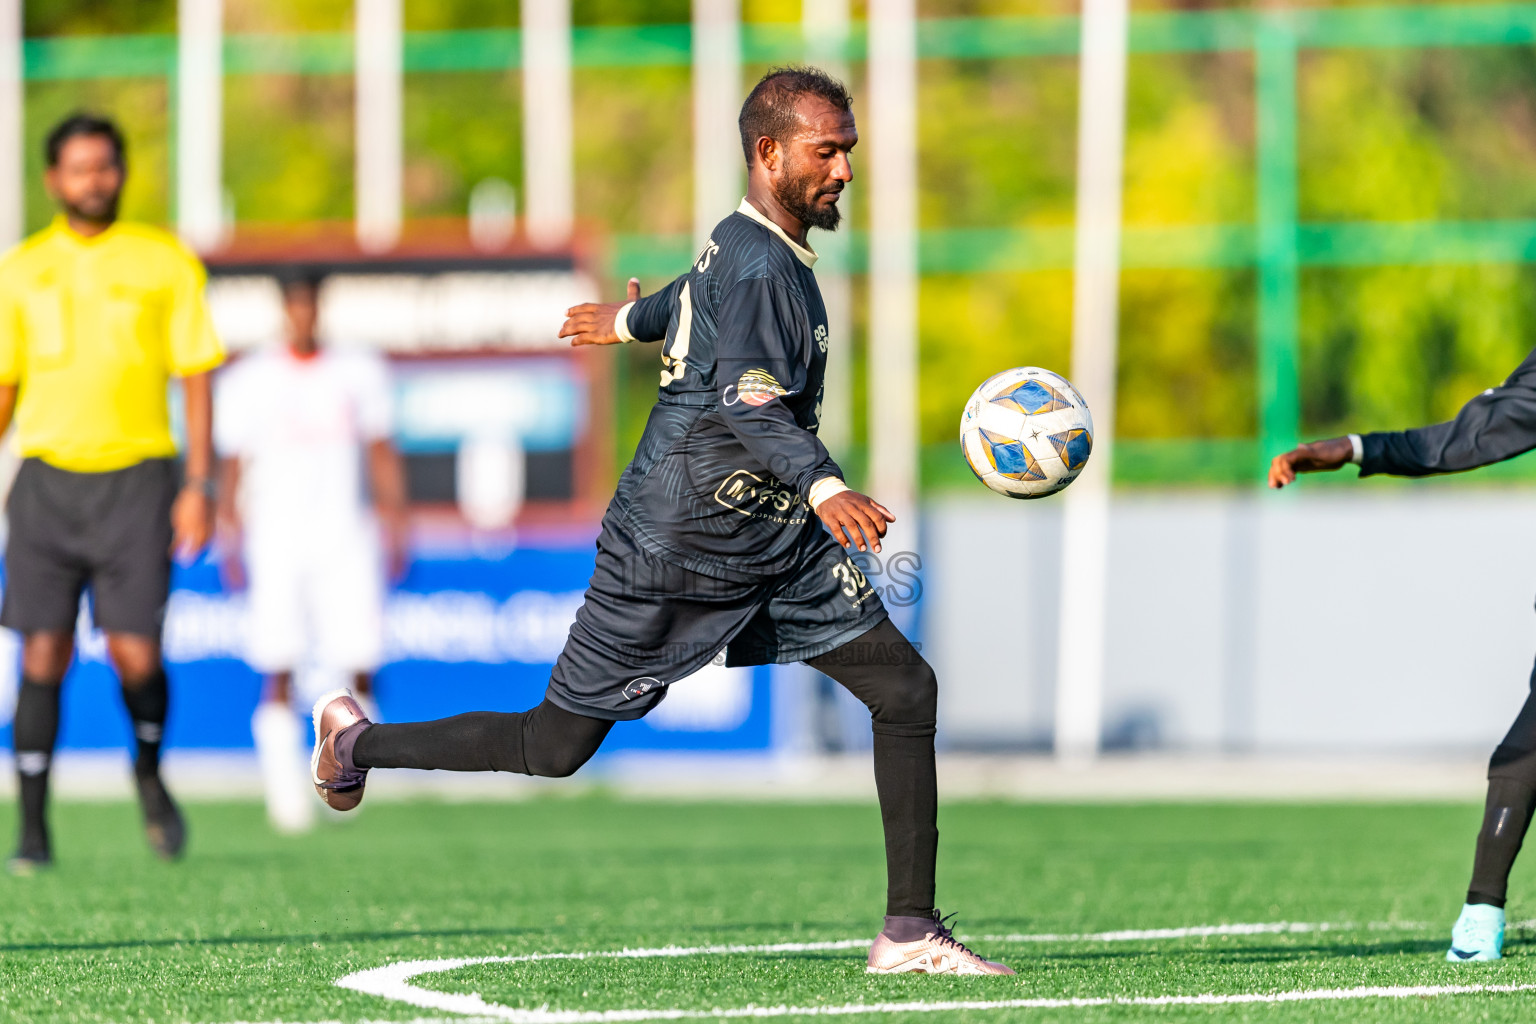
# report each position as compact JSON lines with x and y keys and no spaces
{"x":851,"y":577}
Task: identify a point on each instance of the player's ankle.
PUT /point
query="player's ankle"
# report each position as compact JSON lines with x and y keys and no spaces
{"x":346,"y":747}
{"x":907,"y":928}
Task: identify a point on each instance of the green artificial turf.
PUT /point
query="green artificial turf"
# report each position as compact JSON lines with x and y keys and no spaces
{"x":256,"y":927}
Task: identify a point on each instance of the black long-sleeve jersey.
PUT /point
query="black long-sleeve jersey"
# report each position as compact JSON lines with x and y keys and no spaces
{"x":1498,"y":424}
{"x":721,"y":479}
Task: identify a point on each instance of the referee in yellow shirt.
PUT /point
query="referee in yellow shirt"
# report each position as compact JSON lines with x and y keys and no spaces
{"x":95,"y":317}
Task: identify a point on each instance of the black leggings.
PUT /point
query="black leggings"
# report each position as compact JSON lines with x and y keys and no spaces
{"x":1508,"y":808}
{"x":546,"y":740}
{"x":888,"y":674}
{"x":880,"y":668}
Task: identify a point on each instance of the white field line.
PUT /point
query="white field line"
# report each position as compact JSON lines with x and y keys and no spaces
{"x":1205,"y":930}
{"x":394,"y":982}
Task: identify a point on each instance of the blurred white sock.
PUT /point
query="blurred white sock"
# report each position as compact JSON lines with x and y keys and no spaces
{"x":284,"y":767}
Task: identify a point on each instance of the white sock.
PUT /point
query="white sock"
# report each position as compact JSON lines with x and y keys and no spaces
{"x":284,"y":768}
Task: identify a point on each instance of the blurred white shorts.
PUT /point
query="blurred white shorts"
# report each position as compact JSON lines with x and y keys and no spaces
{"x":316,"y":600}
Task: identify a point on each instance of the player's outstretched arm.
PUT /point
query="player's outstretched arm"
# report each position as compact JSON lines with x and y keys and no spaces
{"x":855,"y":520}
{"x":1317,"y":457}
{"x":640,"y":318}
{"x":595,"y":323}
{"x":1495,"y":425}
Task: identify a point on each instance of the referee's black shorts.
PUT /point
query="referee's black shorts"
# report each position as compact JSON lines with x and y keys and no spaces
{"x":108,"y":531}
{"x":647,"y":622}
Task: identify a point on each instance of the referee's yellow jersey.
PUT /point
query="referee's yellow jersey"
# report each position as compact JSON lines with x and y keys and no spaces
{"x":92,"y":329}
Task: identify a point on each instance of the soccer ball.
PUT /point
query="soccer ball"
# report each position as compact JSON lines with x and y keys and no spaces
{"x":1026,"y":432}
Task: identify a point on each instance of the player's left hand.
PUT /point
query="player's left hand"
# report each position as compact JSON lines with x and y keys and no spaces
{"x":855,"y":520}
{"x":191,"y":523}
{"x":1317,"y":457}
{"x":592,"y":323}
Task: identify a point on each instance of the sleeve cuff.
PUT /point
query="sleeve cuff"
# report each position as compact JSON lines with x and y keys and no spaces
{"x":621,"y":323}
{"x":205,"y":365}
{"x":824,"y":488}
{"x":1357,"y":449}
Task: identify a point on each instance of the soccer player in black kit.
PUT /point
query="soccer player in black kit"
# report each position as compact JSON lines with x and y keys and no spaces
{"x":1498,"y":424}
{"x":727,"y":529}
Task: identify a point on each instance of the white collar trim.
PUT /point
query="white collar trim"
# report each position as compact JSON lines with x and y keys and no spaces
{"x":803,"y":254}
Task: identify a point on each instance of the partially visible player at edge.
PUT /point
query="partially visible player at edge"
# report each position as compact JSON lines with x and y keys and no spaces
{"x":95,"y":316}
{"x":711,"y":542}
{"x":1498,"y":424}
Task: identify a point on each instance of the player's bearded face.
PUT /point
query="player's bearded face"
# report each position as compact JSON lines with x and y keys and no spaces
{"x":88,"y":179}
{"x":800,"y":188}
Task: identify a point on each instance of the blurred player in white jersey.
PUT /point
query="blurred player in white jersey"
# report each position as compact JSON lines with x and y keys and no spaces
{"x":297,"y":428}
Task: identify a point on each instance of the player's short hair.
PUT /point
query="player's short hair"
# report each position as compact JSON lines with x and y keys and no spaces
{"x":82,"y":124}
{"x":300,"y":275}
{"x":770,"y":106}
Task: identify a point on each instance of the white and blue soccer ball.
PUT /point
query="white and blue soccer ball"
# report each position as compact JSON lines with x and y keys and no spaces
{"x":1026,"y":432}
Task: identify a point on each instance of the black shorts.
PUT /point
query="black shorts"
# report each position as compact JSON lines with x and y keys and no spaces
{"x":109,"y":531}
{"x":646,"y":622}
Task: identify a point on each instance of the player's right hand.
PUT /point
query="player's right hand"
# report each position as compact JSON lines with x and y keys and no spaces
{"x":1317,"y":457}
{"x":855,"y":520}
{"x":592,"y":323}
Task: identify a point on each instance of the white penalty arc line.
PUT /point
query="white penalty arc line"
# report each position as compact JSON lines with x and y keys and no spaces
{"x":394,"y":982}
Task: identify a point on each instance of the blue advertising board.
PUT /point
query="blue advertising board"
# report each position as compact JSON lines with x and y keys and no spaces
{"x":464,"y":631}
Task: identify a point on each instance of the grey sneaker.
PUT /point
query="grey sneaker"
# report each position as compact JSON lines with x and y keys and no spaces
{"x":338,"y":781}
{"x":939,"y":952}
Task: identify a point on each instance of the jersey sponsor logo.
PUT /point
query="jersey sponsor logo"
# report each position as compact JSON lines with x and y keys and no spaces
{"x":761,"y":498}
{"x":755,"y":387}
{"x":821,"y":337}
{"x":707,"y":255}
{"x":642,"y":686}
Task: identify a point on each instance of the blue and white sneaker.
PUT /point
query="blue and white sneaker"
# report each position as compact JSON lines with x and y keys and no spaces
{"x":1478,"y":935}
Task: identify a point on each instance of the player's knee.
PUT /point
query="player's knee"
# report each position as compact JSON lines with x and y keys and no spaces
{"x":45,"y":656}
{"x":557,"y":764}
{"x":136,"y":659}
{"x":1511,"y":762}
{"x":911,"y":697}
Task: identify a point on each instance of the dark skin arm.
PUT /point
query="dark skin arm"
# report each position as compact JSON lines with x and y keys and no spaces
{"x":386,"y":481}
{"x":1316,"y":457}
{"x":7,"y":405}
{"x":228,"y":519}
{"x":192,"y":513}
{"x":592,"y":323}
